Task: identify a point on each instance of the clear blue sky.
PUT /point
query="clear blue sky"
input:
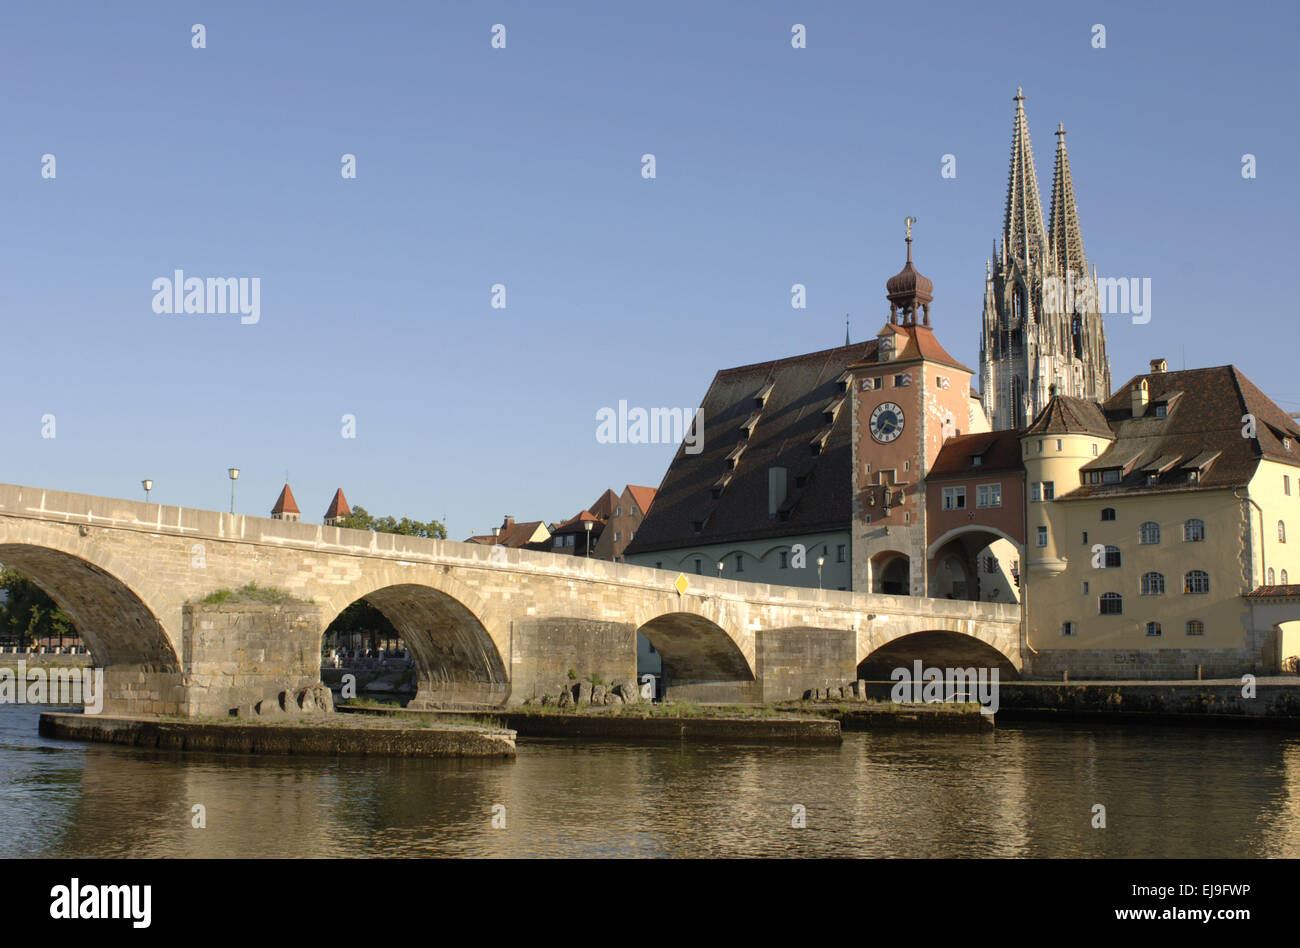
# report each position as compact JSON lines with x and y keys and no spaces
{"x":522,"y":166}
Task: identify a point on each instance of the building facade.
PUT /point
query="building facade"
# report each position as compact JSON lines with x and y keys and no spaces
{"x":1154,"y":518}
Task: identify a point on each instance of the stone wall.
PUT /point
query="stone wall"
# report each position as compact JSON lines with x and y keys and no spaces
{"x":792,"y":661}
{"x":543,"y":650}
{"x":238,"y":653}
{"x":1167,"y":664}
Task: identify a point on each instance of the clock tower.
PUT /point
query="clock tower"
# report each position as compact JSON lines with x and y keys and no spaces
{"x":906,"y":402}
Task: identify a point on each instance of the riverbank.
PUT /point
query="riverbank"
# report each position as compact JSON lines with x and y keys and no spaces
{"x":721,"y":725}
{"x":1270,"y":702}
{"x":317,"y":735}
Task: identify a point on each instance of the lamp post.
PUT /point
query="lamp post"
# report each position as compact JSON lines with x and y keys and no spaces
{"x":587,"y":526}
{"x":720,"y":565}
{"x":234,"y":476}
{"x":147,"y":484}
{"x":821,"y":560}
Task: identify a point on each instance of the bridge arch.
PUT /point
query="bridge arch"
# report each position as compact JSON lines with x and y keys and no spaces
{"x":448,"y":631}
{"x":974,"y":562}
{"x":701,"y":660}
{"x":937,"y":648}
{"x":114,"y":610}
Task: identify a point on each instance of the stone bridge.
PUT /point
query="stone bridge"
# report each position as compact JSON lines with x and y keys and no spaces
{"x":485,"y":626}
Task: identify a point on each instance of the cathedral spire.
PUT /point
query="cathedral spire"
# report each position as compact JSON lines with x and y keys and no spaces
{"x":1066,"y":241}
{"x":1023,"y":225}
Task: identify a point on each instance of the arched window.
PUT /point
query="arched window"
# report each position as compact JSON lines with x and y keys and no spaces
{"x":1195,"y":627}
{"x":1149,"y":532}
{"x":1113,"y":557}
{"x":1112,"y":604}
{"x":1284,"y":579}
{"x":1268,"y":581}
{"x":1281,"y":532}
{"x":1107,"y":513}
{"x":1153,"y":628}
{"x":1194,"y":530}
{"x":1153,"y":584}
{"x":1197,"y":581}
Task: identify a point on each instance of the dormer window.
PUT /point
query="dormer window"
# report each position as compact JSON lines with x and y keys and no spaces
{"x":760,"y":398}
{"x":1162,"y":410}
{"x":976,"y":460}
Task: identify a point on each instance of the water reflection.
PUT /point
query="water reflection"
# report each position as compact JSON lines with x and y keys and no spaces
{"x":1021,"y":791}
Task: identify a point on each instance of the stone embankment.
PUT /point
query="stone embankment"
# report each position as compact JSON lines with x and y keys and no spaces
{"x":307,"y":735}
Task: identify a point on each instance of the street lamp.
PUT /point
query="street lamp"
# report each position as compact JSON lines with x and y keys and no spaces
{"x":821,"y":560}
{"x":147,"y":484}
{"x":587,"y":526}
{"x":720,"y":565}
{"x":234,"y":476}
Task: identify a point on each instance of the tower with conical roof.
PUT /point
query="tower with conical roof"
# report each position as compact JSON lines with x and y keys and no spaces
{"x":286,"y":508}
{"x":1041,"y":322}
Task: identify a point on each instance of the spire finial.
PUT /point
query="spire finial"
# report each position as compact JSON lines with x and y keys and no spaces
{"x":1020,"y":97}
{"x":846,"y":329}
{"x":908,"y":222}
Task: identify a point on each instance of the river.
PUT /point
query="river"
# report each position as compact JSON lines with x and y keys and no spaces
{"x":1022,"y":790}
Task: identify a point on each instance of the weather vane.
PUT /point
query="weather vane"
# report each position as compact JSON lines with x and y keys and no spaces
{"x":909,"y":221}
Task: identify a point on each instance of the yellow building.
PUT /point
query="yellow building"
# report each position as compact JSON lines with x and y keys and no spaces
{"x":1149,"y":520}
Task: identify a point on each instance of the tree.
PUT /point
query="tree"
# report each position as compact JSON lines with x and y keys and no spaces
{"x":28,"y":614}
{"x":362,"y":519}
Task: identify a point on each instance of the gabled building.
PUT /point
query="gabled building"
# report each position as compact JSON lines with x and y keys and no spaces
{"x":624,"y":521}
{"x":1154,"y":518}
{"x":579,"y":535}
{"x":769,"y":493}
{"x":532,"y":535}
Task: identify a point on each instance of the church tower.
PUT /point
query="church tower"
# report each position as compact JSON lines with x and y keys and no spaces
{"x":1042,"y":322}
{"x":909,"y":397}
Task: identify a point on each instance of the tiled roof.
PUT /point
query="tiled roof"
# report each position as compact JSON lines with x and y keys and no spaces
{"x":791,"y":417}
{"x":576,"y":524}
{"x":512,"y":535}
{"x":604,"y":506}
{"x":1202,"y":431}
{"x":1275,"y":592}
{"x":338,"y":506}
{"x":643,"y":496}
{"x":1064,"y":414}
{"x":285,"y":503}
{"x":998,"y":451}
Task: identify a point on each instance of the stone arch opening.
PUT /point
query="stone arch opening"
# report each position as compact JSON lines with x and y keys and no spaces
{"x":113,"y":621}
{"x":699,"y":660}
{"x":935,"y":648}
{"x":891,"y":574}
{"x":988,"y":561}
{"x":450,"y":655}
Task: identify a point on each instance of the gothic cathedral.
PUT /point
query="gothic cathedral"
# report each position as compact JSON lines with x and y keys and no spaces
{"x":1042,"y":325}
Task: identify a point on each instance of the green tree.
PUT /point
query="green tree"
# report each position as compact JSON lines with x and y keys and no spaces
{"x":362,"y":519}
{"x":28,"y":614}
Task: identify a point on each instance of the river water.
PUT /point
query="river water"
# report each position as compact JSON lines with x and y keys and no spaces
{"x":1023,"y":790}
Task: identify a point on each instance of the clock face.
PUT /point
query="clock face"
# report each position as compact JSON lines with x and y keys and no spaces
{"x":886,"y":422}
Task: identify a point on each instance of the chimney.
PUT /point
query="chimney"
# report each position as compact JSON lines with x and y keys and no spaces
{"x":1158,"y":366}
{"x":1140,"y":399}
{"x":775,"y":489}
{"x":508,"y":523}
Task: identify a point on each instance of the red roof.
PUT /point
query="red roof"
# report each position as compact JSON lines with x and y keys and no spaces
{"x":644,"y":497}
{"x":575,"y":524}
{"x":286,"y":503}
{"x":338,"y":506}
